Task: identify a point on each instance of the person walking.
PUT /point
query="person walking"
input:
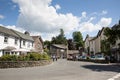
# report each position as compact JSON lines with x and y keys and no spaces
{"x":56,"y":57}
{"x":53,"y":57}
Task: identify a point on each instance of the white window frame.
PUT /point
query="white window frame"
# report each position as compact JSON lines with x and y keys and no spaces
{"x":23,"y":42}
{"x":16,"y":41}
{"x":5,"y":39}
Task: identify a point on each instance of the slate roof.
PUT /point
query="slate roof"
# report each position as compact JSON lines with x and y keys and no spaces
{"x":7,"y":31}
{"x":23,"y":36}
{"x":11,"y":32}
{"x":60,"y":46}
{"x":35,"y":37}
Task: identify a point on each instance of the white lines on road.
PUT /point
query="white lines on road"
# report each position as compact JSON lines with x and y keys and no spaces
{"x":115,"y":77}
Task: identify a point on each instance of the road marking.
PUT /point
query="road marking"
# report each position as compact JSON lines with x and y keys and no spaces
{"x":115,"y":77}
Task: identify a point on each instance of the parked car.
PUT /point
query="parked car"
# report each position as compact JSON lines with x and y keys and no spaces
{"x":92,"y":57}
{"x":82,"y":57}
{"x":99,"y":57}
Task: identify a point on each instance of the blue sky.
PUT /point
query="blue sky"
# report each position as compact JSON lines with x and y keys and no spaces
{"x":46,"y":17}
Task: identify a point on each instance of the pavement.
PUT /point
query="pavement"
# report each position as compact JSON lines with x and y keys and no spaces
{"x":63,"y":70}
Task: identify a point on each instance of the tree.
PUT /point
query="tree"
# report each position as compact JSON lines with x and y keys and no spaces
{"x":78,"y":39}
{"x":71,"y":45}
{"x":105,"y":47}
{"x":112,"y":34}
{"x":60,"y":39}
{"x":47,"y":44}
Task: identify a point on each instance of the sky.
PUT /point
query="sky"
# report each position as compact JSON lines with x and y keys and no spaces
{"x":47,"y":17}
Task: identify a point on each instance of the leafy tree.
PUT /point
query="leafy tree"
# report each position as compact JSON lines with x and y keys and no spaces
{"x":60,"y":39}
{"x":105,"y":47}
{"x":47,"y":44}
{"x":112,"y":34}
{"x":78,"y":39}
{"x":71,"y":45}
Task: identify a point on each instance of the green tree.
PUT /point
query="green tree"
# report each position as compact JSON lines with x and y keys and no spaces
{"x":105,"y":47}
{"x":47,"y":44}
{"x":78,"y":39}
{"x":112,"y":35}
{"x":71,"y":45}
{"x":60,"y":39}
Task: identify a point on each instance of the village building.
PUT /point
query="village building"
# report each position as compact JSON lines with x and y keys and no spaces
{"x":93,"y":44}
{"x":38,"y":44}
{"x":59,"y":50}
{"x":14,"y":42}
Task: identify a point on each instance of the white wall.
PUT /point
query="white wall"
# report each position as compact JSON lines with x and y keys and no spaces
{"x":28,"y":44}
{"x":11,"y":42}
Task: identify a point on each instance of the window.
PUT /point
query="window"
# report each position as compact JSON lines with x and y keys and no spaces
{"x":32,"y":44}
{"x":24,"y":43}
{"x":6,"y":39}
{"x":12,"y":53}
{"x":28,"y":44}
{"x":16,"y":41}
{"x":7,"y":53}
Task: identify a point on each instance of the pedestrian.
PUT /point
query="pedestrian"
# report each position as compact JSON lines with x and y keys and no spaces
{"x":56,"y":58}
{"x":53,"y":57}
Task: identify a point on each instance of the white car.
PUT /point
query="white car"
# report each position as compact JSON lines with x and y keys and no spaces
{"x":99,"y":57}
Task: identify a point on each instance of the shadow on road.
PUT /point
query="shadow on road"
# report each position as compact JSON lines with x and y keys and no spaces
{"x":99,"y":68}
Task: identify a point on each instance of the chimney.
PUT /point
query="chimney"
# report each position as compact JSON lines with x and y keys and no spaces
{"x":27,"y":33}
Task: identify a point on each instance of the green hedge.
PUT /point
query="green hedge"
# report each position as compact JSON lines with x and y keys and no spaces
{"x":28,"y":57}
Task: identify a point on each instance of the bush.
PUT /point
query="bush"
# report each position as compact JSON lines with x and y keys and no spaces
{"x":46,"y":56}
{"x":35,"y":56}
{"x":28,"y":57}
{"x":9,"y":58}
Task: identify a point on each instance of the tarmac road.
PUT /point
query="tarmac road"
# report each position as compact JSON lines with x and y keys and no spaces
{"x":63,"y":70}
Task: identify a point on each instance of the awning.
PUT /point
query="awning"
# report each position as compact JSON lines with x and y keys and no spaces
{"x":8,"y":48}
{"x":21,"y":50}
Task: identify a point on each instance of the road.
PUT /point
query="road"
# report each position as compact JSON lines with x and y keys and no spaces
{"x":63,"y":70}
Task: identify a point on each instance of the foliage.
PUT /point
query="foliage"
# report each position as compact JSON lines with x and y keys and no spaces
{"x":28,"y":57}
{"x":47,"y":44}
{"x":46,"y":50}
{"x":71,"y":45}
{"x":112,"y":35}
{"x":78,"y":39}
{"x":45,"y":56}
{"x":105,"y":47}
{"x":60,"y":39}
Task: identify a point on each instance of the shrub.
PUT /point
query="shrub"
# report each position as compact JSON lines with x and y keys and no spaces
{"x":9,"y":58}
{"x":45,"y":56}
{"x":28,"y":57}
{"x":34,"y":56}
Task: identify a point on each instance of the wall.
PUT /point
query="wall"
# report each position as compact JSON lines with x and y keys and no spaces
{"x":38,"y":45}
{"x":19,"y":64}
{"x":11,"y":42}
{"x":28,"y":44}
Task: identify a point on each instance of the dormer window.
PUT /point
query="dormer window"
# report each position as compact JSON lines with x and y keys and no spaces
{"x":5,"y":39}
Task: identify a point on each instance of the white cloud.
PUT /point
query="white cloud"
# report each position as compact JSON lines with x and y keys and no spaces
{"x":57,"y":7}
{"x":42,"y":17}
{"x":104,"y":12}
{"x":84,"y":14}
{"x":1,"y":16}
{"x":15,"y":28}
{"x":88,"y":26}
{"x":105,"y":21}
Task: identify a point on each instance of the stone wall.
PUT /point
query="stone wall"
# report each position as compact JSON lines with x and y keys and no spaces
{"x":19,"y":64}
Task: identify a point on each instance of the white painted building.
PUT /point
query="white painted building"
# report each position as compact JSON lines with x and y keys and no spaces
{"x":14,"y":42}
